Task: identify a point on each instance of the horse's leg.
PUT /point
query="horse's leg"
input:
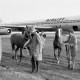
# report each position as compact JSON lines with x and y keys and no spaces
{"x":20,"y":55}
{"x":33,"y":63}
{"x":13,"y":51}
{"x":68,"y":64}
{"x":37,"y":64}
{"x":16,"y":53}
{"x":59,"y":51}
{"x":54,"y":55}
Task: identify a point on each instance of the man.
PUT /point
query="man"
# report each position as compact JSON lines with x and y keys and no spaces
{"x":72,"y":49}
{"x":35,"y":47}
{"x":43,"y":40}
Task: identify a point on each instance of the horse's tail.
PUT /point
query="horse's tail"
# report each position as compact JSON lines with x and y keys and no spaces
{"x":12,"y":43}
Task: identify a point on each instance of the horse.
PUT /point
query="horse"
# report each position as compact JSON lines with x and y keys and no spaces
{"x":57,"y":45}
{"x":17,"y":42}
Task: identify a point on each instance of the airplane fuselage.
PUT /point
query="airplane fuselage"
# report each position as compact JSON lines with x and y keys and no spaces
{"x":47,"y":25}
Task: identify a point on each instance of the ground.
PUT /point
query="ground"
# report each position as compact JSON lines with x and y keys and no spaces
{"x":48,"y":69}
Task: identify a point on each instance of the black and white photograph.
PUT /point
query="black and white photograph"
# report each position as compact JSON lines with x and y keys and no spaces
{"x":39,"y":40}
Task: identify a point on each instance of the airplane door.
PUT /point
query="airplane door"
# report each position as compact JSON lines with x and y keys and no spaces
{"x":75,"y":28}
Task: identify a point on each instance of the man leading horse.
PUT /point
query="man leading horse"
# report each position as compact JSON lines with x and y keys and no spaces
{"x":34,"y":45}
{"x":71,"y":49}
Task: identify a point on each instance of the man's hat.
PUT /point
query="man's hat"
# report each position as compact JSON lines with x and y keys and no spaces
{"x":32,"y":29}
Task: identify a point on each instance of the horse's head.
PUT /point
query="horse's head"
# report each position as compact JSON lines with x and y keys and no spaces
{"x":27,"y":32}
{"x":58,"y":32}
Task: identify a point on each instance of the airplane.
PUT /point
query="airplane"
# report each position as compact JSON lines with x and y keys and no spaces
{"x":42,"y":25}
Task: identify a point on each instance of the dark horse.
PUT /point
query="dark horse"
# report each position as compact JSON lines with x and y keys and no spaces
{"x":57,"y":44}
{"x":17,"y":42}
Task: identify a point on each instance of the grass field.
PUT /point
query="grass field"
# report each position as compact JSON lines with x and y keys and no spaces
{"x":48,"y":69}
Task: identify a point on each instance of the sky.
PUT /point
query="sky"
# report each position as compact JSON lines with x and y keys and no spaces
{"x":28,"y":10}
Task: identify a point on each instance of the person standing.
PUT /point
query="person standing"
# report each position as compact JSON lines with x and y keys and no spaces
{"x":72,"y":49}
{"x":35,"y":48}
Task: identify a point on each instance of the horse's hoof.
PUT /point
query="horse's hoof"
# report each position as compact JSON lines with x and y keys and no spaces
{"x":12,"y":57}
{"x":58,"y":62}
{"x":33,"y":71}
{"x":18,"y":62}
{"x":68,"y":66}
{"x":71,"y":69}
{"x":54,"y":59}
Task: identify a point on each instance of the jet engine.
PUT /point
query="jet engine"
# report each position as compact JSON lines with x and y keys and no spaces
{"x":5,"y":31}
